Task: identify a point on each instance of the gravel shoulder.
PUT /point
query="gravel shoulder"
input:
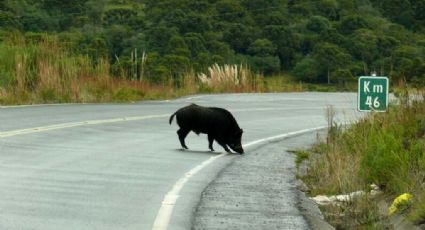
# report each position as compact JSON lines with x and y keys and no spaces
{"x":259,"y":191}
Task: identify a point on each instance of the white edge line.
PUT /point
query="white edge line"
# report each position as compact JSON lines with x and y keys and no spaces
{"x":163,"y":216}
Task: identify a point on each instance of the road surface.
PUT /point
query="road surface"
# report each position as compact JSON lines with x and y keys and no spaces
{"x":119,"y":166}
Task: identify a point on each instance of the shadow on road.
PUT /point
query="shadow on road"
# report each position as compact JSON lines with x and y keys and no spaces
{"x":198,"y":151}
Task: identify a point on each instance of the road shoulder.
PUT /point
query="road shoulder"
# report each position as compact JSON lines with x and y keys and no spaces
{"x":259,"y":191}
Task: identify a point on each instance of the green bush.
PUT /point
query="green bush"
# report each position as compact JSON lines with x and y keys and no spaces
{"x":127,"y":94}
{"x":384,"y":156}
{"x":386,"y":149}
{"x":48,"y":95}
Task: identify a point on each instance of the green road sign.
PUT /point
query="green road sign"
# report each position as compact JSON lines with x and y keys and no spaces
{"x":373,"y":94}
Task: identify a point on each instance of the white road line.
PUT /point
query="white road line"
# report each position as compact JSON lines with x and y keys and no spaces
{"x":75,"y":124}
{"x":163,"y":216}
{"x":39,"y":129}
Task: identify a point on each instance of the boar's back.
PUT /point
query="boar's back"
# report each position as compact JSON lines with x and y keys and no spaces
{"x":210,"y":120}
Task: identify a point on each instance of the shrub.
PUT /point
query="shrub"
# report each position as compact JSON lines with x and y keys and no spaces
{"x":382,"y":148}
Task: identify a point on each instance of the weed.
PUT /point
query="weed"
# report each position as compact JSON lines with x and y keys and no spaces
{"x":417,"y":214}
{"x":302,"y":155}
{"x":127,"y":95}
{"x":358,"y":213}
{"x":386,"y":149}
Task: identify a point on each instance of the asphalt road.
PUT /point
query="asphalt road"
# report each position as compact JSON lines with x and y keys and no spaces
{"x":260,"y":191}
{"x":119,"y":166}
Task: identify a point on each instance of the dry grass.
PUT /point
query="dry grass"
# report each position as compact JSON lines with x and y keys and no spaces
{"x":231,"y":78}
{"x":386,"y":149}
{"x":225,"y":75}
{"x":47,"y":71}
{"x":332,"y":173}
{"x":359,"y":213}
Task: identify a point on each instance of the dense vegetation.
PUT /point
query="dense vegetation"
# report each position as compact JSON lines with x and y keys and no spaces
{"x":314,"y":40}
{"x":386,"y":149}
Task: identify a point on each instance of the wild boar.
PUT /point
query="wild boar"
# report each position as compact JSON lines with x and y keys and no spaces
{"x":219,"y":124}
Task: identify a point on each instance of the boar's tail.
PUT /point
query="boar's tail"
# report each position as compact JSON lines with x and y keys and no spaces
{"x":171,"y":118}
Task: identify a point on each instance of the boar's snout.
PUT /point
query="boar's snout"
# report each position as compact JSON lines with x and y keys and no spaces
{"x":239,"y":149}
{"x":236,"y":143}
{"x":236,"y":148}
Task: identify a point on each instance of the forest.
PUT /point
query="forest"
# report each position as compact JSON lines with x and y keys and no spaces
{"x":317,"y":41}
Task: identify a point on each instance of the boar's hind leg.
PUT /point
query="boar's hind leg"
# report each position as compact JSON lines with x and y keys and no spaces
{"x":182,"y":135}
{"x":210,"y":142}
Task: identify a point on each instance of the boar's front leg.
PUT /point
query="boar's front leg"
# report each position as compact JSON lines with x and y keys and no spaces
{"x":223,"y":144}
{"x":210,"y":142}
{"x":182,"y":135}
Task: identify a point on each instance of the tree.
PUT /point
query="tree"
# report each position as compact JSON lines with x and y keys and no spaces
{"x":286,"y":43}
{"x":341,"y":76}
{"x":331,"y":57}
{"x":177,"y":64}
{"x":230,"y":11}
{"x":94,"y":9}
{"x":318,"y":24}
{"x":419,"y":7}
{"x":363,"y":45}
{"x":352,"y":23}
{"x":272,"y":18}
{"x":119,"y":14}
{"x":262,"y":47}
{"x":154,"y":68}
{"x":386,"y":45}
{"x":239,"y":36}
{"x":31,"y":17}
{"x":95,"y":46}
{"x":64,"y":11}
{"x":222,"y":52}
{"x":340,"y":35}
{"x":302,"y":8}
{"x":408,"y":61}
{"x":400,"y":11}
{"x":329,"y":8}
{"x":195,"y":43}
{"x":263,"y":56}
{"x":115,"y":36}
{"x":308,"y":69}
{"x":266,"y":65}
{"x":7,"y":19}
{"x":158,"y":38}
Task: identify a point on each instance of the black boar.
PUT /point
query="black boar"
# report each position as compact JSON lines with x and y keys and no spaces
{"x":219,"y":124}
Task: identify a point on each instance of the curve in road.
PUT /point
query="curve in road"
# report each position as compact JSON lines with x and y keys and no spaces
{"x":107,"y":166}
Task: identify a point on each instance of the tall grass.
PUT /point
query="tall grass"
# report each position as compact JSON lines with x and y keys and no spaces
{"x":229,"y":78}
{"x":386,"y":149}
{"x":239,"y":78}
{"x":44,"y":70}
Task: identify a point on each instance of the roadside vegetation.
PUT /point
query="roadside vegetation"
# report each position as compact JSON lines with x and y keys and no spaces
{"x":47,"y":71}
{"x":385,"y":149}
